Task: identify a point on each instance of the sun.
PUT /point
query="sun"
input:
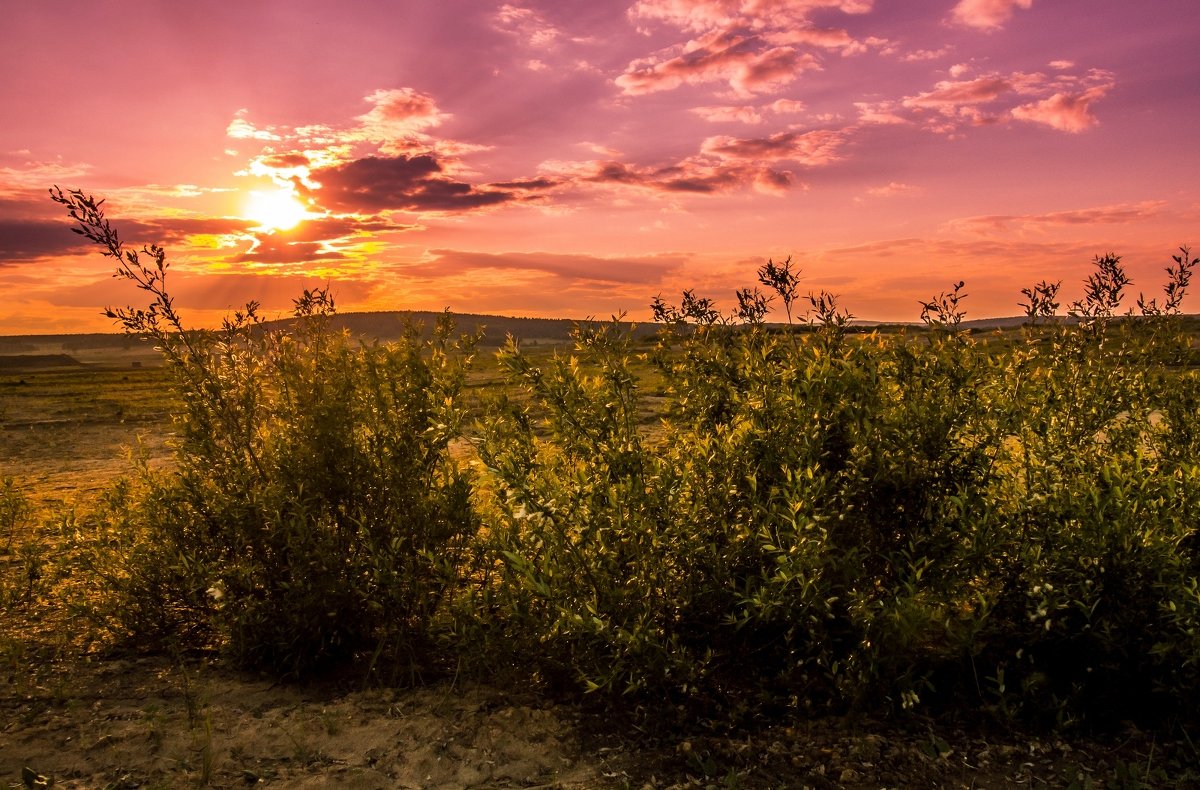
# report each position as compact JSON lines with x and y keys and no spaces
{"x":275,"y":210}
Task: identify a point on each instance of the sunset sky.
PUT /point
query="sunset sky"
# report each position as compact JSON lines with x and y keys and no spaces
{"x":574,"y":158}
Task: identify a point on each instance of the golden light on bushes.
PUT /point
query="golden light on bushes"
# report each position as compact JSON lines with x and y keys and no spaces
{"x":274,"y":210}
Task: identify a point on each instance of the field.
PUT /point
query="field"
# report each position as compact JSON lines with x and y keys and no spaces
{"x":85,"y":711}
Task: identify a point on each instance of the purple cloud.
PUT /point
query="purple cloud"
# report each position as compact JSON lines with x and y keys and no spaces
{"x":399,"y":183}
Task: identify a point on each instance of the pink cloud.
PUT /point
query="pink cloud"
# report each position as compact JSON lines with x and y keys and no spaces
{"x":882,"y":113}
{"x":986,"y":14}
{"x":783,"y":106}
{"x":1063,"y":111}
{"x":730,"y":114}
{"x":773,"y":182}
{"x":706,"y":14}
{"x":399,"y":112}
{"x":925,"y":54}
{"x":689,"y":176}
{"x":826,"y":38}
{"x":754,"y":45}
{"x":893,"y":189}
{"x":35,"y":176}
{"x":531,"y":26}
{"x":724,"y":164}
{"x":809,"y":148}
{"x":1060,"y":101}
{"x":983,"y":89}
{"x":714,"y":57}
{"x":398,"y":122}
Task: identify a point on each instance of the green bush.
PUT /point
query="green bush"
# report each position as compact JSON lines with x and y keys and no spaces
{"x":312,"y":512}
{"x":825,"y":520}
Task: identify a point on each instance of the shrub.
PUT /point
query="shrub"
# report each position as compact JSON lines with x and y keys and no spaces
{"x":312,"y":511}
{"x":825,"y":520}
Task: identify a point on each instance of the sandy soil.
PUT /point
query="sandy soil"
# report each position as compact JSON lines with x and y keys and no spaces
{"x":157,"y":723}
{"x":151,"y":723}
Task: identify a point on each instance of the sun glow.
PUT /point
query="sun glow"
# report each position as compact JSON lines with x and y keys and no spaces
{"x":275,"y":210}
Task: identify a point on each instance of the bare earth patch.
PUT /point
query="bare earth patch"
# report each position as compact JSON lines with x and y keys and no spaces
{"x":149,"y":723}
{"x":155,"y":723}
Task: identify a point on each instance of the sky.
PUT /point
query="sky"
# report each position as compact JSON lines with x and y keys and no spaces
{"x":578,"y":158}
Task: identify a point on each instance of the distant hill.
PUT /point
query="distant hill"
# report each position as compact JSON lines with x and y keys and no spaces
{"x":496,"y":329}
{"x":391,"y":325}
{"x":378,"y":325}
{"x":31,"y":361}
{"x":21,"y":344}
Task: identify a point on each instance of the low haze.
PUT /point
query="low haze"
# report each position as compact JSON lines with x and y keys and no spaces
{"x":574,"y":159}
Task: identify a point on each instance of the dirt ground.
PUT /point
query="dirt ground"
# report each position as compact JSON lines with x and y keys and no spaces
{"x":158,"y":723}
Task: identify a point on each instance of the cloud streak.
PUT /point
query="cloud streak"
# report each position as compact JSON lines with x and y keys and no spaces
{"x":690,"y":176}
{"x":1116,"y":214}
{"x":617,"y":269}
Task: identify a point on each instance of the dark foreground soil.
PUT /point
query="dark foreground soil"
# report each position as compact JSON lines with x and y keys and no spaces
{"x":161,"y":723}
